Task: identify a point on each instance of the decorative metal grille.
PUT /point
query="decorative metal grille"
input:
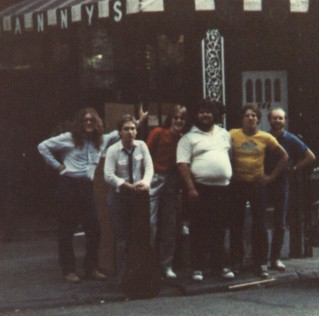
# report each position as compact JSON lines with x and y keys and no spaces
{"x":213,"y":66}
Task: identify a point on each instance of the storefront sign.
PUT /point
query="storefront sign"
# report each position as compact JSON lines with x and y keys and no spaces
{"x":86,"y":12}
{"x":59,"y":13}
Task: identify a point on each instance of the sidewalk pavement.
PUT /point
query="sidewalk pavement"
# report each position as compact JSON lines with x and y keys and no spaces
{"x":31,"y":279}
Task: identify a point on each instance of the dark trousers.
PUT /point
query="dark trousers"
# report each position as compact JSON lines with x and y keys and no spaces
{"x":11,"y":199}
{"x":277,"y":193}
{"x":77,"y":207}
{"x":207,"y":226}
{"x":121,"y":210}
{"x":254,"y":192}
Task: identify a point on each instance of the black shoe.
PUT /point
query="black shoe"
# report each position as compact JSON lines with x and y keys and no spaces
{"x":263,"y":272}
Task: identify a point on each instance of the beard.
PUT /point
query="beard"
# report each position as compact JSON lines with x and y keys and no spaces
{"x":204,"y":126}
{"x":277,"y":126}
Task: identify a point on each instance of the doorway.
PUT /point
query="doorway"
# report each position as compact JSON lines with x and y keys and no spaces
{"x":267,"y":89}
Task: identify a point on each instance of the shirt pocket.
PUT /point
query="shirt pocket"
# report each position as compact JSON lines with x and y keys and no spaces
{"x":122,"y":165}
{"x":138,"y":162}
{"x":94,"y":156}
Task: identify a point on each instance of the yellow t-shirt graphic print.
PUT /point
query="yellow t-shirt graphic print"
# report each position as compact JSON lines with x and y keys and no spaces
{"x":249,"y":154}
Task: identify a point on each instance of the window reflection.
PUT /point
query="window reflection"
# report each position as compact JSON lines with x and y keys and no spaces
{"x":268,"y":90}
{"x":259,"y":94}
{"x":249,"y":91}
{"x":277,"y":88}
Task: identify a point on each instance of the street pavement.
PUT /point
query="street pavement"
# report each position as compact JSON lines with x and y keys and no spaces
{"x":31,"y":279}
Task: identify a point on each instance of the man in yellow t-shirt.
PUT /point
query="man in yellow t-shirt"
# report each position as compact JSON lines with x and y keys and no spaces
{"x":248,"y":184}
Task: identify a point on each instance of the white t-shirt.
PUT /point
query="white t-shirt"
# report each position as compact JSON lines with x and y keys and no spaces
{"x":208,"y":155}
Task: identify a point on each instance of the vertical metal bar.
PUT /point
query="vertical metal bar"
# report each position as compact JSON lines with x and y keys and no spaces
{"x":223,"y":76}
{"x":203,"y":67}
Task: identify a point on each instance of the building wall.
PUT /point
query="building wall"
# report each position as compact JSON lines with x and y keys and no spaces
{"x":292,"y":49}
{"x":46,"y":77}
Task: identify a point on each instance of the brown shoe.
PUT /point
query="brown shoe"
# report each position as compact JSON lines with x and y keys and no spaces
{"x":72,"y":278}
{"x":96,"y":275}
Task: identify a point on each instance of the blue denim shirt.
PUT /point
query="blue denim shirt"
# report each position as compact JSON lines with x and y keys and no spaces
{"x":78,"y":162}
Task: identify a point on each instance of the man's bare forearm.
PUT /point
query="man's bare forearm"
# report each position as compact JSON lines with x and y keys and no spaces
{"x":186,"y":175}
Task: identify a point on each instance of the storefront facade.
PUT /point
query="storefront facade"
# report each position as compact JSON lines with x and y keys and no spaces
{"x":59,"y":56}
{"x":92,"y":52}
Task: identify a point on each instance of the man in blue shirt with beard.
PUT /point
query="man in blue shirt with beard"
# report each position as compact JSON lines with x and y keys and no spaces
{"x":300,"y":156}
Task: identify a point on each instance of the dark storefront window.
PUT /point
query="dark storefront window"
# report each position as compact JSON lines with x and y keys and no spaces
{"x":171,"y":66}
{"x":22,"y":119}
{"x":96,"y":67}
{"x":19,"y":54}
{"x":129,"y":65}
{"x":116,"y":63}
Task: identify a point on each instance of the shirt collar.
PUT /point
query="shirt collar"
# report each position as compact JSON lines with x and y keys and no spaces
{"x":283,"y":134}
{"x":123,"y":148}
{"x":195,"y":129}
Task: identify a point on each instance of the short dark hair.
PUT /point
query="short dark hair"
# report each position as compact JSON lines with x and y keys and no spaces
{"x":252,"y":107}
{"x":124,"y":119}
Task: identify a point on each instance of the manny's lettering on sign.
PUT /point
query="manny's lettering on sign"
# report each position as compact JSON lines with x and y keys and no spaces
{"x":38,"y":15}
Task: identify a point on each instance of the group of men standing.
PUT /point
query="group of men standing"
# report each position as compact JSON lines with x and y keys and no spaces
{"x":221,"y":172}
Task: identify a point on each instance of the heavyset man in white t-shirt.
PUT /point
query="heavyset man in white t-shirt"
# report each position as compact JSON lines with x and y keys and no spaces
{"x":204,"y":164}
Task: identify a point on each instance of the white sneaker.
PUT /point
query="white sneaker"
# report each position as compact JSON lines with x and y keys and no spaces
{"x":72,"y":278}
{"x":227,"y":274}
{"x":185,"y":230}
{"x":263,"y":271}
{"x":169,"y":273}
{"x":278,"y":265}
{"x":198,"y":275}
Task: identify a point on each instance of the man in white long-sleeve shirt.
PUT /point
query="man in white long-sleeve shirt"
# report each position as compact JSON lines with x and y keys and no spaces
{"x":128,"y":170}
{"x":75,"y":155}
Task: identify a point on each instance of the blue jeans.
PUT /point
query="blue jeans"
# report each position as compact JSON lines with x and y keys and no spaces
{"x":76,"y":197}
{"x":163,"y":196}
{"x":254,"y":192}
{"x":278,"y":193}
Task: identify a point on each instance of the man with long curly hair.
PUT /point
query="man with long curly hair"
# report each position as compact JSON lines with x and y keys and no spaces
{"x":75,"y":155}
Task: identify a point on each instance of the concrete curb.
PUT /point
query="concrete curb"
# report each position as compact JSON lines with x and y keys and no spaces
{"x":30,"y":277}
{"x":87,"y":294}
